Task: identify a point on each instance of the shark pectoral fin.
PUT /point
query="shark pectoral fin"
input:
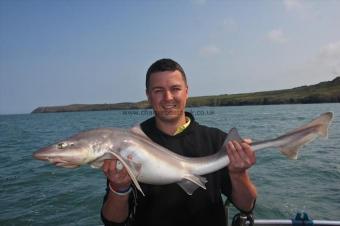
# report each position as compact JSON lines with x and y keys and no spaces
{"x":131,"y":167}
{"x":134,"y":166}
{"x":99,"y":162}
{"x":190,"y":183}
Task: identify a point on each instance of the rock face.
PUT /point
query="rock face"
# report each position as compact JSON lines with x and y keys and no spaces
{"x":324,"y":92}
{"x":91,"y":107}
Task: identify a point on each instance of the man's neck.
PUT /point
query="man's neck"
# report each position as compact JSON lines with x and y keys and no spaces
{"x":170,"y":127}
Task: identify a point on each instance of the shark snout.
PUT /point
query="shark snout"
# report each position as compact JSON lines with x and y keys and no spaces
{"x":47,"y":154}
{"x":63,"y":158}
{"x":41,"y":154}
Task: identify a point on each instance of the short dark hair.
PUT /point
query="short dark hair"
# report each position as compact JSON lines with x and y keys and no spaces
{"x":164,"y":65}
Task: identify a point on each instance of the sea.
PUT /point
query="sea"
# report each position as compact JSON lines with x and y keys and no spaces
{"x":33,"y":192}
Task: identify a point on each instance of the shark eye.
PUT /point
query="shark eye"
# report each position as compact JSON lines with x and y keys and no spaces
{"x":62,"y":145}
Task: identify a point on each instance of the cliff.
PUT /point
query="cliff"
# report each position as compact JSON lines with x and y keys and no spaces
{"x":324,"y":92}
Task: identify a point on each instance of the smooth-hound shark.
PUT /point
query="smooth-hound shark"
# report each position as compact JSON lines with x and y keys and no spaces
{"x":150,"y":163}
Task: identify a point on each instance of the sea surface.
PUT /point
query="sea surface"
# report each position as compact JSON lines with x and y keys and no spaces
{"x":35,"y":193}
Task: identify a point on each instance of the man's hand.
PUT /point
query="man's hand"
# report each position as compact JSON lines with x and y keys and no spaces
{"x":116,"y":207}
{"x":119,"y":178}
{"x":241,"y":156}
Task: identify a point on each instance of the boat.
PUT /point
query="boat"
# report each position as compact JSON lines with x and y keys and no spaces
{"x":300,"y":219}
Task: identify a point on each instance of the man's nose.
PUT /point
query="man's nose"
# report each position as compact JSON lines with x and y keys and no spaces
{"x":168,"y":95}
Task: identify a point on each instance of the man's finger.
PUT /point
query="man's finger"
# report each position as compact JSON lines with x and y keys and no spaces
{"x":106,"y":166}
{"x":234,"y":151}
{"x":240,"y":151}
{"x":247,"y":140}
{"x":119,"y":166}
{"x":112,"y":166}
{"x":249,"y":152}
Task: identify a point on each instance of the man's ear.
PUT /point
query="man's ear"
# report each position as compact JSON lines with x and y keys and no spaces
{"x":187,"y":91}
{"x":147,"y":95}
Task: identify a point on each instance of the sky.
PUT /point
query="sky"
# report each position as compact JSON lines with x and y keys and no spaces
{"x":61,"y":52}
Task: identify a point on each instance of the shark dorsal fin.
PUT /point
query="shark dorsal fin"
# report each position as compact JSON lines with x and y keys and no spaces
{"x":232,"y":135}
{"x":136,"y":129}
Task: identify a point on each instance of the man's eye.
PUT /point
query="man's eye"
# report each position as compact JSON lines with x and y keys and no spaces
{"x":157,"y":90}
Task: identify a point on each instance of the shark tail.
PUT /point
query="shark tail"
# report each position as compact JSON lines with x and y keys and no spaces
{"x":320,"y":127}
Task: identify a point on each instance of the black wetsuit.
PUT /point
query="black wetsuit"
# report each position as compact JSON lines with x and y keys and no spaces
{"x":167,"y":205}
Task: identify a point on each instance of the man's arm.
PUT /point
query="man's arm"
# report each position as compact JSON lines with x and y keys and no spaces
{"x":116,"y":206}
{"x":242,"y":157}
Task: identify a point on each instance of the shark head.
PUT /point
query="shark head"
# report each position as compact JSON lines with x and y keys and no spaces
{"x":69,"y":153}
{"x":80,"y":149}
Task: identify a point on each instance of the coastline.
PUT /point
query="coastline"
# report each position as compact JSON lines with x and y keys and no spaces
{"x":323,"y":92}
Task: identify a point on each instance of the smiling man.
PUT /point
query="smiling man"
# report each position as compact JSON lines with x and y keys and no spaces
{"x":167,"y":92}
{"x":177,"y":130}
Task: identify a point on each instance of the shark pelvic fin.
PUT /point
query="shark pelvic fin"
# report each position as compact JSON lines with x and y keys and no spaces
{"x":190,"y":183}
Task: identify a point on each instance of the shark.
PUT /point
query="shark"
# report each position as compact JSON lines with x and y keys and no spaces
{"x":147,"y":162}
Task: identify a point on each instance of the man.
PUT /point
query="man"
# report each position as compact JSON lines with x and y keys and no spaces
{"x":177,"y":130}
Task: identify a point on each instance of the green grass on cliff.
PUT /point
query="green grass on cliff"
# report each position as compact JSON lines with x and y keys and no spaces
{"x":324,"y":92}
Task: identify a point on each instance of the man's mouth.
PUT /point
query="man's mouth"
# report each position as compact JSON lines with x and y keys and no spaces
{"x":169,"y":106}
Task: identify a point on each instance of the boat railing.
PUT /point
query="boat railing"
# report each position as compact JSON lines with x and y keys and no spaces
{"x":301,"y":219}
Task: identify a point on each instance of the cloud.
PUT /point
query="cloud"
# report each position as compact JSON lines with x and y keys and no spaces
{"x":291,"y":5}
{"x":209,"y":51}
{"x":276,"y":36}
{"x":305,"y":10}
{"x":329,"y":56}
{"x":229,"y":25}
{"x":331,"y":51}
{"x":323,"y":66}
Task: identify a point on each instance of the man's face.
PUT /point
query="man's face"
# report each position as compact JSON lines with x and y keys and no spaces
{"x":167,"y":94}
